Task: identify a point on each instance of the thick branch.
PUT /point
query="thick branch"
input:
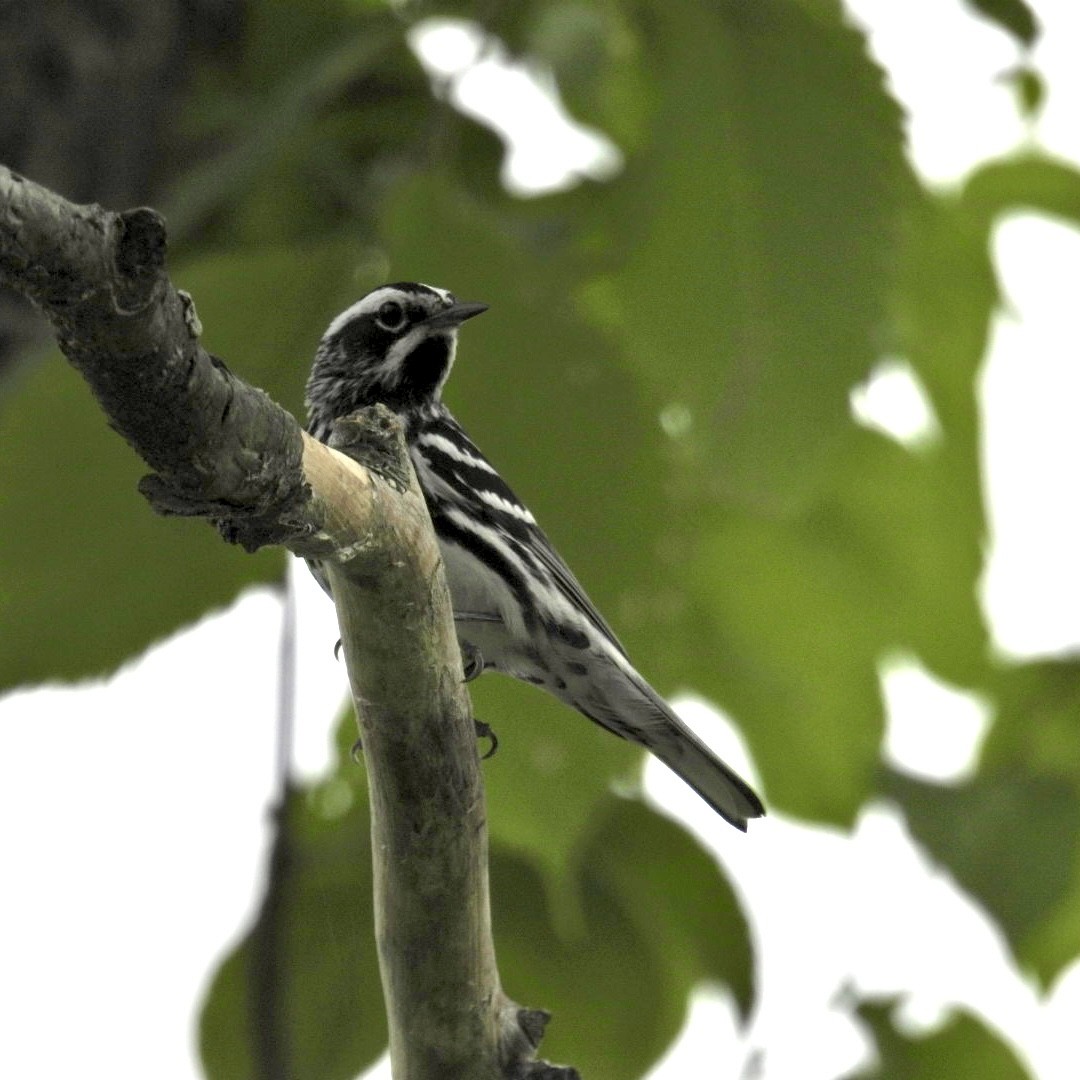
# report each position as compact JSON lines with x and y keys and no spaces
{"x":222,"y":449}
{"x":449,"y":1019}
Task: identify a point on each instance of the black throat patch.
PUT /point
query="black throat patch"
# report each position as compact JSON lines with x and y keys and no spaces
{"x":424,"y":368}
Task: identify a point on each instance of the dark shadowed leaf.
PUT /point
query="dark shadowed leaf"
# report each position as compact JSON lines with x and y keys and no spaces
{"x":599,"y":984}
{"x":681,"y":901}
{"x":657,"y":919}
{"x":300,"y":995}
{"x":89,"y":574}
{"x":552,"y":772}
{"x":294,"y":135}
{"x":1010,"y":837}
{"x":1037,"y":732}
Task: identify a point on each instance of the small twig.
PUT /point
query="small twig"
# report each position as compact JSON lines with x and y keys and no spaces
{"x":286,"y":688}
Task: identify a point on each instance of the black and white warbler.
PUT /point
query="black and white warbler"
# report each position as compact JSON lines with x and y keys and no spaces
{"x":517,"y":607}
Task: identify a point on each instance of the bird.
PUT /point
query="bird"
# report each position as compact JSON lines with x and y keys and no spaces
{"x":518,"y":609}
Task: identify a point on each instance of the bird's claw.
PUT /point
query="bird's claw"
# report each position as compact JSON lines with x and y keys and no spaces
{"x":337,"y":649}
{"x":483,"y":731}
{"x":472,"y":661}
{"x":357,"y":751}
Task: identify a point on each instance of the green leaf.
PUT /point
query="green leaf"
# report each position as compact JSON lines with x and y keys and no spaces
{"x":1030,"y":779}
{"x":599,"y":985}
{"x":752,"y":240}
{"x":92,"y":575}
{"x":1030,"y":89}
{"x":300,"y":995}
{"x":801,"y":605}
{"x":681,"y":902}
{"x":658,"y":918}
{"x":1025,"y":181}
{"x":1037,"y":718}
{"x":747,"y":287}
{"x":260,"y":171}
{"x":963,"y":1047}
{"x":1014,"y":16}
{"x":1054,"y":943}
{"x":89,"y":574}
{"x":799,"y":612}
{"x":1010,"y":837}
{"x":795,"y":649}
{"x":553,"y":772}
{"x":912,"y":534}
{"x":1035,"y":734}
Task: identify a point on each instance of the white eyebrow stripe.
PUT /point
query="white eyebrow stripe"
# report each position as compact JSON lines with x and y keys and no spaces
{"x":366,"y":305}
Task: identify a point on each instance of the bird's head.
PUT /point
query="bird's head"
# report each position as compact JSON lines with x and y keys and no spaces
{"x":395,"y":345}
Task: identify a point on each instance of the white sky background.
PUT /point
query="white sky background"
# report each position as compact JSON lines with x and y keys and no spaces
{"x":130,"y":910}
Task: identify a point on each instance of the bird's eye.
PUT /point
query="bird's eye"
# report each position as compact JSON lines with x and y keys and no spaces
{"x":391,"y":315}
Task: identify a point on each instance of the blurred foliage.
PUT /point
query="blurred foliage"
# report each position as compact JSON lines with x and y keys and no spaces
{"x":299,"y":996}
{"x":961,"y":1047}
{"x":665,"y":378}
{"x":1013,"y":15}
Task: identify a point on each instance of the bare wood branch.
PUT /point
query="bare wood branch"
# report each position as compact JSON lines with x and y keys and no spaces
{"x":223,"y":450}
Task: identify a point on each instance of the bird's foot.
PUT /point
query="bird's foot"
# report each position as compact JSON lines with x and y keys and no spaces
{"x":472,"y":661}
{"x":357,"y":751}
{"x":483,"y":731}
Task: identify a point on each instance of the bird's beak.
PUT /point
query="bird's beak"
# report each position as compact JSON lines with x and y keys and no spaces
{"x":454,"y":315}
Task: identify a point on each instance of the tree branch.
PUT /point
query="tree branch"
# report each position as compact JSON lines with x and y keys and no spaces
{"x":223,"y":450}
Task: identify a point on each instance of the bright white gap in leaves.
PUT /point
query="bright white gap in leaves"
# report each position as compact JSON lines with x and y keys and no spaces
{"x":546,"y":150}
{"x":710,"y":1033}
{"x":894,"y":402}
{"x":1029,"y":393}
{"x":933,"y":730}
{"x":957,"y":114}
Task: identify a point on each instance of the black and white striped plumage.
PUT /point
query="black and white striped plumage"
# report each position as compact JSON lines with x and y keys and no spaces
{"x":516,"y":604}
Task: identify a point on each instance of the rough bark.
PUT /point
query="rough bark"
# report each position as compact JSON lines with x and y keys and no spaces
{"x":222,"y":449}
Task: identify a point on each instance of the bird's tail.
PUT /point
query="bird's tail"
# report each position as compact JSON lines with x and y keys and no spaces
{"x":669,"y":739}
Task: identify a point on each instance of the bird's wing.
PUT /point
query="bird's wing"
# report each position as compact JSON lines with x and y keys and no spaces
{"x":455,"y":474}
